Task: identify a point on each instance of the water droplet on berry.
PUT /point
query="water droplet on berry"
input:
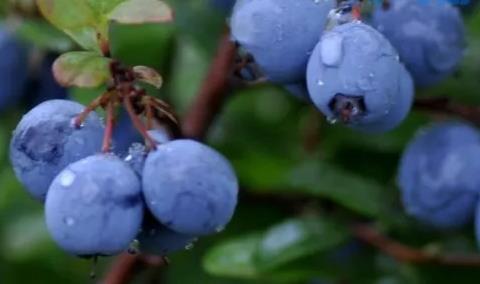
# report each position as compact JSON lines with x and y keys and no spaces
{"x":134,"y":247}
{"x":331,"y":49}
{"x":67,"y":178}
{"x":189,"y":246}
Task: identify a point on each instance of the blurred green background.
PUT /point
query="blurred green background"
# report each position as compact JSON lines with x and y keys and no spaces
{"x":304,"y":182}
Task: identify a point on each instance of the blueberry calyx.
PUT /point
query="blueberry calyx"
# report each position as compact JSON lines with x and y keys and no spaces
{"x":347,"y":108}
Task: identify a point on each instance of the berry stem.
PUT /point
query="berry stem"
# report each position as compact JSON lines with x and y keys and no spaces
{"x":404,"y":253}
{"x":443,"y":105}
{"x":91,"y":107}
{"x":212,"y":94}
{"x":127,"y":103}
{"x":110,"y":123}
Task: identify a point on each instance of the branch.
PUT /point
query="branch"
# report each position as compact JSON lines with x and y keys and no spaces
{"x":405,"y":253}
{"x":125,"y":267}
{"x":203,"y":111}
{"x":210,"y":99}
{"x":444,"y":105}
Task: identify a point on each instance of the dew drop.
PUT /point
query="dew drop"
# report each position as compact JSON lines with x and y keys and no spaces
{"x":189,"y":246}
{"x":67,"y":178}
{"x":331,"y":49}
{"x":134,"y":247}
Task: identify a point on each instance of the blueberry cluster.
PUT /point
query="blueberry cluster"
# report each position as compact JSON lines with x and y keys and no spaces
{"x":22,"y":78}
{"x":359,"y":74}
{"x":99,"y":203}
{"x":438,"y":175}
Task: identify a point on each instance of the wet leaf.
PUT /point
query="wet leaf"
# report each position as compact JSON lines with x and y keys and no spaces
{"x":81,"y":69}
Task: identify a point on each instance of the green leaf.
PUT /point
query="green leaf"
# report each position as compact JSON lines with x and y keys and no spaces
{"x":297,"y":238}
{"x":148,"y":75}
{"x":234,"y":258}
{"x":141,"y":11}
{"x":319,"y":178}
{"x":77,"y":19}
{"x":25,"y":237}
{"x":103,"y":7}
{"x":81,"y":69}
{"x":312,"y":177}
{"x":44,"y":35}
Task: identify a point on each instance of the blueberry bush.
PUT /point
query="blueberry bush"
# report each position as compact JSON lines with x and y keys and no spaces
{"x":247,"y":141}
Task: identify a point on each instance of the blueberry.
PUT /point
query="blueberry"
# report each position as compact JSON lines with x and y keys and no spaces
{"x":438,"y":174}
{"x":44,"y":87}
{"x":94,"y":206}
{"x":13,"y":69}
{"x":280,"y":34}
{"x":157,"y":239}
{"x":354,"y":76}
{"x":46,"y":141}
{"x":189,"y":187}
{"x":429,"y":37}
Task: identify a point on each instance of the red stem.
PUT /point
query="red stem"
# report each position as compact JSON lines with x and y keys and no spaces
{"x":110,"y":122}
{"x":127,"y":103}
{"x":405,"y":253}
{"x":91,"y":107}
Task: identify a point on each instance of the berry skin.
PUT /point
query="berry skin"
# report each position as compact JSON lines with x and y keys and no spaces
{"x":280,"y":34}
{"x":46,"y":141}
{"x":438,"y":175}
{"x":156,"y":239}
{"x":189,"y":187}
{"x":354,"y":76}
{"x":94,"y":206}
{"x":13,"y":69}
{"x":428,"y":35}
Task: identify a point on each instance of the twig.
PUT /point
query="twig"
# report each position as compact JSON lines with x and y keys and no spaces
{"x":210,"y":99}
{"x":404,"y":253}
{"x":443,"y":105}
{"x":126,"y":266}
